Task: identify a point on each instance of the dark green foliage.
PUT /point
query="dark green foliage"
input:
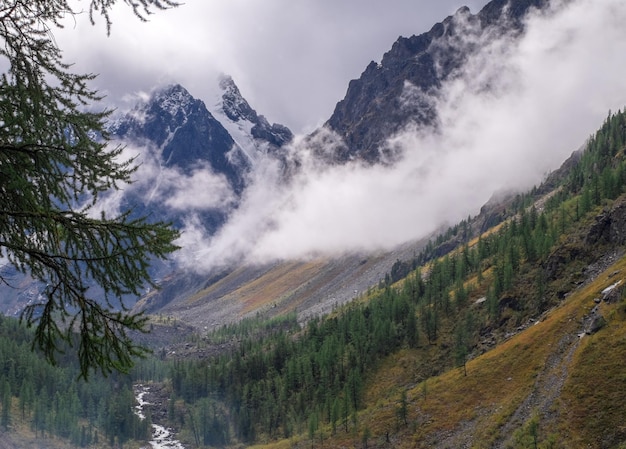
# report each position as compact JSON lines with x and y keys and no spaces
{"x":411,"y":330}
{"x":273,"y":380}
{"x":403,"y":409}
{"x":400,"y":270}
{"x":5,"y":392}
{"x":55,"y":163}
{"x":463,"y":340}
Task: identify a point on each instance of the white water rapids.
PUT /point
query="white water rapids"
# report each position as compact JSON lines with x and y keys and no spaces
{"x":162,"y":438}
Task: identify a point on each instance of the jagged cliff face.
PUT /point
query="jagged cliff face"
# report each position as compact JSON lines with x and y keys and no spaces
{"x":237,"y":110}
{"x":375,"y":106}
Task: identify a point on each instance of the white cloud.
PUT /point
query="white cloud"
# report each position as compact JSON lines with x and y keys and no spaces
{"x":547,"y":93}
{"x":248,"y":222}
{"x":201,"y":190}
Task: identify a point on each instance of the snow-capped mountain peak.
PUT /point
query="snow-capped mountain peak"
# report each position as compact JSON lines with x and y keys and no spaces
{"x":234,"y":106}
{"x":173,"y":99}
{"x":180,"y":134}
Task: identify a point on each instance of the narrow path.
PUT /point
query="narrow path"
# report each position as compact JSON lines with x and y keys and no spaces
{"x":548,"y":385}
{"x":547,"y":389}
{"x":552,"y":377}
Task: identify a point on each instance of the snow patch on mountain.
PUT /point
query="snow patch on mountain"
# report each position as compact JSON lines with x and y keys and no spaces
{"x":174,"y":100}
{"x":235,"y":114}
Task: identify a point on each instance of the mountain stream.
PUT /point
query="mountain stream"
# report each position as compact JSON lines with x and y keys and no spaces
{"x":162,"y":437}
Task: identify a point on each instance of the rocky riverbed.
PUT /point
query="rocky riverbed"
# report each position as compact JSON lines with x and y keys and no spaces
{"x":162,"y":437}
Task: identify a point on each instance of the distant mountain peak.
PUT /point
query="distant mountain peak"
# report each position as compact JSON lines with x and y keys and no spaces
{"x":172,"y":98}
{"x":156,"y":118}
{"x":173,"y":95}
{"x":183,"y":133}
{"x":234,"y":105}
{"x":251,"y":131}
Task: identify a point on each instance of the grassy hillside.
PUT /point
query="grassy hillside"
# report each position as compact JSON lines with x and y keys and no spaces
{"x":478,"y":346}
{"x":547,"y":381}
{"x":546,"y":374}
{"x":537,"y":372}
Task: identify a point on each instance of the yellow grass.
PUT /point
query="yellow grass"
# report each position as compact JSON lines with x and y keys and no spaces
{"x":593,"y":397}
{"x":267,"y":290}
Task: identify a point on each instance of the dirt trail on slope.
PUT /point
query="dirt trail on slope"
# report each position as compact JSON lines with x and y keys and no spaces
{"x":548,"y":385}
{"x":547,"y":389}
{"x":552,"y":377}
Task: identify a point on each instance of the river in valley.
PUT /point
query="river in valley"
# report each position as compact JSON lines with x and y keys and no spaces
{"x":162,"y":438}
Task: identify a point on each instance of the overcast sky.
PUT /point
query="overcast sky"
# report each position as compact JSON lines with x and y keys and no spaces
{"x":292,"y":59}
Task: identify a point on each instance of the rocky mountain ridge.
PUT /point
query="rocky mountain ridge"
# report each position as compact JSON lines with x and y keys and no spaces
{"x":186,"y":133}
{"x":403,"y":88}
{"x":223,"y":141}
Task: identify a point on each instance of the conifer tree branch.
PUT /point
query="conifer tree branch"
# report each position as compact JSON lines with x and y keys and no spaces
{"x":55,"y":163}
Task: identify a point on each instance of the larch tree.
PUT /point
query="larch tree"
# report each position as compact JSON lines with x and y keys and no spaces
{"x":55,"y":163}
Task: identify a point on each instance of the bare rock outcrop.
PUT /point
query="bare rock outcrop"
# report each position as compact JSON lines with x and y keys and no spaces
{"x":610,"y":225}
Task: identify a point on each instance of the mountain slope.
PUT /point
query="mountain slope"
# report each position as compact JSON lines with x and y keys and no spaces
{"x":311,"y":288}
{"x":493,"y":341}
{"x":376,"y":105}
{"x":543,"y":375}
{"x":546,"y":369}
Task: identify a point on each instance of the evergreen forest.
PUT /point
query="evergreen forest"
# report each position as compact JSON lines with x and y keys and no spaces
{"x":54,"y":403}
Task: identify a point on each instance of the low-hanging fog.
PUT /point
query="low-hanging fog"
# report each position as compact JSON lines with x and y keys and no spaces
{"x":516,"y":112}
